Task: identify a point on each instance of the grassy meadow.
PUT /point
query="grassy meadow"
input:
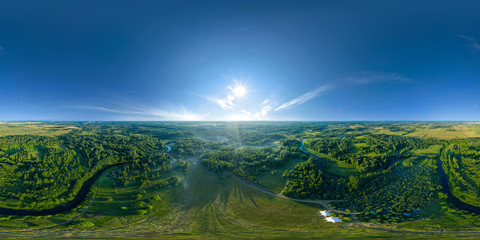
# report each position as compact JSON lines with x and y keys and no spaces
{"x":35,"y":128}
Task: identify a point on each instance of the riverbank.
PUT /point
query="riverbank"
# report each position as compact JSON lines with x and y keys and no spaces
{"x":79,"y":198}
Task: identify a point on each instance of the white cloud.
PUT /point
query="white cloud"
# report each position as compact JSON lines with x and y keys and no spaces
{"x":265,"y":108}
{"x":223,"y":103}
{"x":229,"y":102}
{"x":267,"y":105}
{"x":104,"y":109}
{"x":183,"y":115}
{"x":377,"y":77}
{"x":151,"y":114}
{"x":246,"y":112}
{"x":472,"y":41}
{"x":304,"y":98}
{"x":236,"y":109}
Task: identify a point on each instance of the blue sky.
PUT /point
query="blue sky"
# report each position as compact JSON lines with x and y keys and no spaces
{"x":296,"y":60}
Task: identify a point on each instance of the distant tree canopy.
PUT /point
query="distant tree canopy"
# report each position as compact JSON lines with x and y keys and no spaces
{"x":385,"y":148}
{"x":195,"y":146}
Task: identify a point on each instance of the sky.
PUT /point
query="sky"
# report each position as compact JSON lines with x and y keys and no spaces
{"x":239,"y":60}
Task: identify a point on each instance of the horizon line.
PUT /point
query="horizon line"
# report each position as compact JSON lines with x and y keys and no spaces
{"x":25,"y":121}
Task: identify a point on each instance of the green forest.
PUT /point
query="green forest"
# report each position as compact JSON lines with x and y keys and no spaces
{"x":365,"y":172}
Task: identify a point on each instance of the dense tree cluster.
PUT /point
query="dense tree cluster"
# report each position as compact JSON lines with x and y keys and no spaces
{"x":195,"y":146}
{"x":335,"y":148}
{"x":461,"y":162}
{"x":255,"y":138}
{"x":41,"y":172}
{"x":401,"y":195}
{"x":368,"y":163}
{"x":381,"y":143}
{"x":378,"y":151}
{"x":247,"y":162}
{"x":305,"y":181}
{"x":388,"y":195}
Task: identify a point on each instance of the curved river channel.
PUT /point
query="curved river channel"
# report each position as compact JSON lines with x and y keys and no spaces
{"x":81,"y":195}
{"x":443,"y":180}
{"x":446,"y":189}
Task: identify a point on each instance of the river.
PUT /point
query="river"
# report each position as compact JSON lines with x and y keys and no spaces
{"x":443,"y":180}
{"x":446,"y":189}
{"x":311,"y":154}
{"x":81,"y":195}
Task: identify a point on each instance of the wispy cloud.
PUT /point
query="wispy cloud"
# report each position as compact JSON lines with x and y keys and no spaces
{"x":223,"y":103}
{"x":304,"y":98}
{"x":104,"y":109}
{"x":265,"y":108}
{"x":229,"y":102}
{"x":267,"y":105}
{"x":368,"y":77}
{"x":145,"y":113}
{"x":246,"y":112}
{"x":183,"y":115}
{"x":473,"y":42}
{"x":1,"y":48}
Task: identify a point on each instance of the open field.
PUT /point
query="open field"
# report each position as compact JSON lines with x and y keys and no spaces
{"x":432,"y":150}
{"x":35,"y":128}
{"x":275,"y":182}
{"x":438,"y":130}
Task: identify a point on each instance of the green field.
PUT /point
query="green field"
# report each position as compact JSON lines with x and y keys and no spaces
{"x":432,"y":150}
{"x":35,"y":128}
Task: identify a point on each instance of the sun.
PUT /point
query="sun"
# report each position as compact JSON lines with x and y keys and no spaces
{"x":238,"y":90}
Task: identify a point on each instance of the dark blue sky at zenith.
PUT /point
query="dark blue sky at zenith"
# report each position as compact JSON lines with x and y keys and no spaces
{"x":291,"y":60}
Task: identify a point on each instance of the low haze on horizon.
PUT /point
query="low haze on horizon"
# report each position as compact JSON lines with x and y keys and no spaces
{"x":239,"y":60}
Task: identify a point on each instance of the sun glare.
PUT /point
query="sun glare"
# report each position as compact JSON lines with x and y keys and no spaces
{"x":238,"y":90}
